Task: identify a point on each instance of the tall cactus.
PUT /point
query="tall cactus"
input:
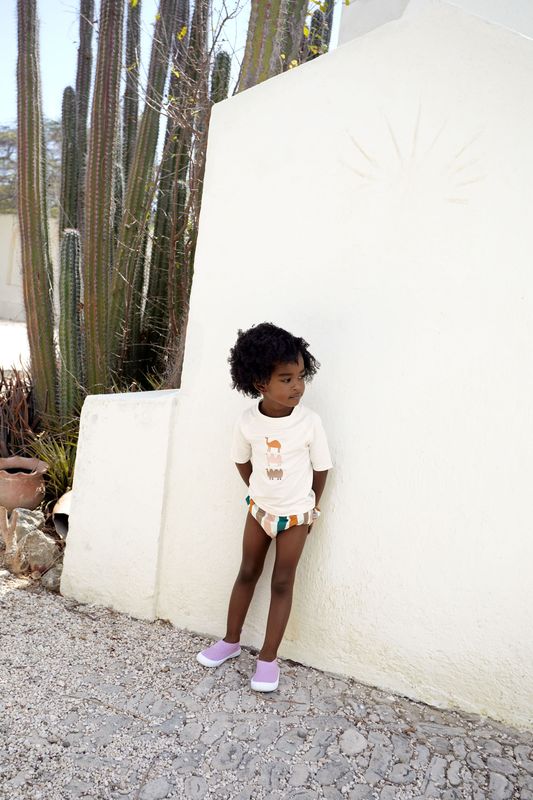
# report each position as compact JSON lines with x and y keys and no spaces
{"x":263,"y":30}
{"x":139,"y":192}
{"x":68,"y":211}
{"x":155,"y":318}
{"x":83,"y":87}
{"x":220,"y":77}
{"x":320,"y":34}
{"x":69,"y":325}
{"x":32,"y":211}
{"x":131,"y":92}
{"x":98,"y":236}
{"x":187,"y":177}
{"x":287,"y":41}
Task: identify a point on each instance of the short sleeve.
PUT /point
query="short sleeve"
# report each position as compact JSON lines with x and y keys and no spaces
{"x":319,"y":450}
{"x":241,"y":451}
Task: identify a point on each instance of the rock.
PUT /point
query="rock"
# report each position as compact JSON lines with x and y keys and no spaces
{"x":499,"y":787}
{"x":40,"y":550}
{"x":51,"y":579}
{"x":454,"y":773}
{"x":228,"y":757}
{"x":436,"y":772}
{"x":361,"y":791}
{"x":503,"y":765}
{"x":155,"y":789}
{"x":402,"y":748}
{"x":401,"y":773}
{"x":291,"y":741}
{"x":191,"y":732}
{"x":23,"y":556}
{"x":299,"y":775}
{"x":195,"y":787}
{"x":332,"y":772}
{"x":352,"y":742}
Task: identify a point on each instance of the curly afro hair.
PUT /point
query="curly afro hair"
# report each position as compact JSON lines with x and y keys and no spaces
{"x":257,"y":351}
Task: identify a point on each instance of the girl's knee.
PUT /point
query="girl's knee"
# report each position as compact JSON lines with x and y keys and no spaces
{"x":282,"y":583}
{"x":249,"y":574}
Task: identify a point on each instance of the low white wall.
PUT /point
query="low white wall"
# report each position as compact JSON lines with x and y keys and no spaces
{"x":387,"y":221}
{"x":117,"y":507}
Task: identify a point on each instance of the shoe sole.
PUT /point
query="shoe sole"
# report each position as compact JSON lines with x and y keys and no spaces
{"x":209,"y":662}
{"x":259,"y":686}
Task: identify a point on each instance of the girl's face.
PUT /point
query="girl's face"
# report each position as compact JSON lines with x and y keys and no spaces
{"x":285,"y":388}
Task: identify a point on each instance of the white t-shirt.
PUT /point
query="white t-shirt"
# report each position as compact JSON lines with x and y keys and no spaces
{"x":284,"y":452}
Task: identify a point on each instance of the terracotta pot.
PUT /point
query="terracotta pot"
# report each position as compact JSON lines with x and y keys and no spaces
{"x":21,"y":482}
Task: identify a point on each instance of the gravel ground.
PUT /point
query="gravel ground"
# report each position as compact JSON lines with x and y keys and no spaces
{"x":97,"y":704}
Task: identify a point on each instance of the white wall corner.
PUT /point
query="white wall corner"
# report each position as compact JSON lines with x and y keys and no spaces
{"x":363,"y":16}
{"x":113,"y":544}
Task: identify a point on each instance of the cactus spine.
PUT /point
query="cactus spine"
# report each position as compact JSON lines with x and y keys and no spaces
{"x":68,"y":211}
{"x":220,"y":77}
{"x":187,"y":181}
{"x":131,"y":92}
{"x":140,"y":189}
{"x":155,"y":318}
{"x":83,"y":86}
{"x":69,"y":325}
{"x":288,"y":38}
{"x":262,"y":33}
{"x":32,"y":211}
{"x":98,"y":229}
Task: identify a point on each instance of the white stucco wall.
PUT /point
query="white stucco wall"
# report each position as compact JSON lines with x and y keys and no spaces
{"x":11,"y":292}
{"x":388,"y":221}
{"x":117,"y":506}
{"x":11,"y":298}
{"x":361,"y":16}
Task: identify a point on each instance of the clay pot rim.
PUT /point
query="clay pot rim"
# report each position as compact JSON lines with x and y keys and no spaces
{"x":12,"y":462}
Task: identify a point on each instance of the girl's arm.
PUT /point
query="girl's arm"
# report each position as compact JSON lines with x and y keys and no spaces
{"x":319,"y":481}
{"x":245,"y":470}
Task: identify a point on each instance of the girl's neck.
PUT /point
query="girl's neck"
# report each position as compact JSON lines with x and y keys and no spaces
{"x":268,"y":410}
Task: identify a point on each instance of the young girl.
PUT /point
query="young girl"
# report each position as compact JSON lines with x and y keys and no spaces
{"x":282,"y":455}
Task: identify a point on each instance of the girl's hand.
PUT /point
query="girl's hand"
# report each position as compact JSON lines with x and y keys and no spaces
{"x":311,"y":525}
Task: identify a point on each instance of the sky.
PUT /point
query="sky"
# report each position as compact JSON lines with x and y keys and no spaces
{"x":59,"y":45}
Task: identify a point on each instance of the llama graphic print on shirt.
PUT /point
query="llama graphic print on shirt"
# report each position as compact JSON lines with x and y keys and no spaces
{"x":274,"y":471}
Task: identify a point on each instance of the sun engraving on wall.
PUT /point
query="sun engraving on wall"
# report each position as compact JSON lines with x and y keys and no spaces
{"x":442,"y":165}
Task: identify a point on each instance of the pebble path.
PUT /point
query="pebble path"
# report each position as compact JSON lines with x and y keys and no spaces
{"x":96,"y":704}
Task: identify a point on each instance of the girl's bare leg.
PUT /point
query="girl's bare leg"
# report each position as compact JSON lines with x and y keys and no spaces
{"x":254,"y":549}
{"x":289,"y":547}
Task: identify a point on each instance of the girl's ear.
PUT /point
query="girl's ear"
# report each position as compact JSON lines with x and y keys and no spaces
{"x":260,"y":387}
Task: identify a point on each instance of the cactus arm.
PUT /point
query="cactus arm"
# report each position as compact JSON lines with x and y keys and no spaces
{"x":131,"y":92}
{"x":68,"y":211}
{"x":83,"y":88}
{"x":32,"y":212}
{"x":69,"y":325}
{"x":220,"y":77}
{"x":140,"y":188}
{"x":99,"y":188}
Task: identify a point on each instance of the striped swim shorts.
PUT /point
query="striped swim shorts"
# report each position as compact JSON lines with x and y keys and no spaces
{"x":272,"y":525}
